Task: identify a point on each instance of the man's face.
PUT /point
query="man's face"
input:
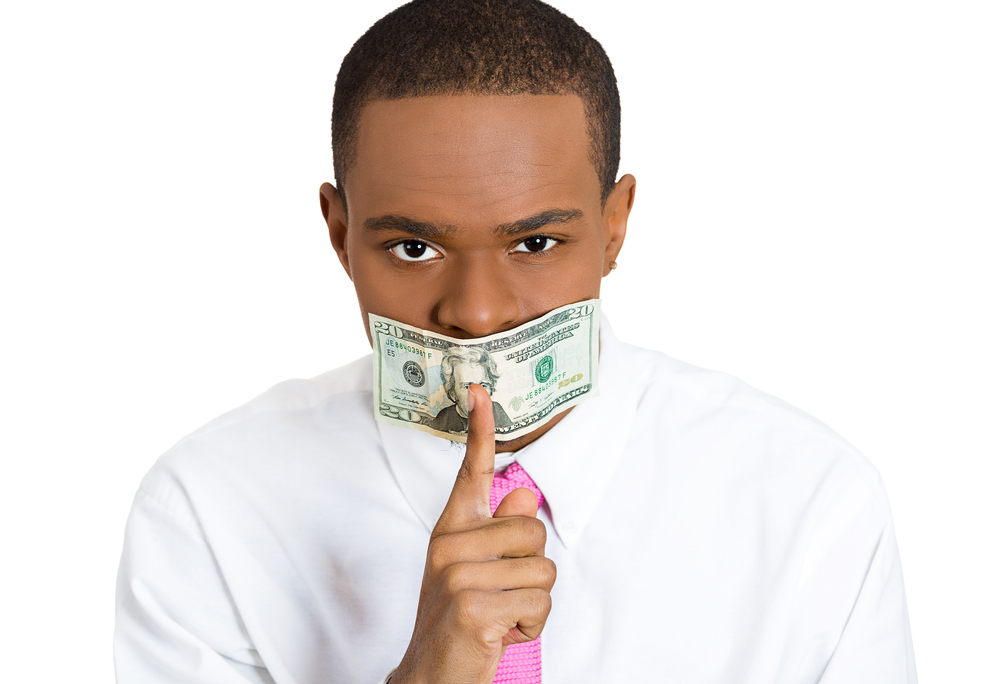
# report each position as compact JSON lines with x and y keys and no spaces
{"x":471,"y":215}
{"x":465,"y":374}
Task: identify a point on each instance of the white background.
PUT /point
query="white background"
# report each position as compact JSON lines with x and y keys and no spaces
{"x":817,"y":212}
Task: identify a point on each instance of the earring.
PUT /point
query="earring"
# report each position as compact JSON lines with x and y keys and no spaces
{"x":614,"y":265}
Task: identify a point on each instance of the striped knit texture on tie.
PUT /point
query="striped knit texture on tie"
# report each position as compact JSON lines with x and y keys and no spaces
{"x":521,"y":663}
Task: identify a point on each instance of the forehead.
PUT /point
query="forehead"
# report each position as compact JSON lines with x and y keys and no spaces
{"x":472,"y":159}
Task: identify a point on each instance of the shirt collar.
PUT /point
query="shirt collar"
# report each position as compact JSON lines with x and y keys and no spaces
{"x":572,"y":463}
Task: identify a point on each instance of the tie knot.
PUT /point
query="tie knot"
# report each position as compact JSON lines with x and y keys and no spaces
{"x":510,"y":479}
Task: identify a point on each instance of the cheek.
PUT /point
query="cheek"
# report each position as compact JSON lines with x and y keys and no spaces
{"x":570,"y":281}
{"x":376,"y":286}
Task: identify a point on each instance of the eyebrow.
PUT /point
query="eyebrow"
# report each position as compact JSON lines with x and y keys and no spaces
{"x":402,"y":224}
{"x":424,"y":229}
{"x":540,"y":220}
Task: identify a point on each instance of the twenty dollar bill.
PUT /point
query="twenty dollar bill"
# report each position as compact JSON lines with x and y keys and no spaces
{"x":532,"y":373}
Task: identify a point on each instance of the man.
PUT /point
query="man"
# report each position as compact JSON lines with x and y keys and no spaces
{"x":701,"y":531}
{"x":460,"y":369}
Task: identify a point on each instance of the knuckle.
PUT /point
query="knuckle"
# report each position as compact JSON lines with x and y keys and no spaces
{"x":453,"y":579}
{"x":440,"y":552}
{"x":467,"y":474}
{"x":529,"y":531}
{"x":464,"y":472}
{"x":508,"y":524}
{"x":548,"y":572}
{"x":468,"y":608}
{"x":522,"y":564}
{"x":541,"y":601}
{"x":536,"y":532}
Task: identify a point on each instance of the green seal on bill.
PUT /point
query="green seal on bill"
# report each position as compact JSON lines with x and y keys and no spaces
{"x":544,"y":368}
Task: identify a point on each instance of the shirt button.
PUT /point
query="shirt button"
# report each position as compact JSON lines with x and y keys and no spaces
{"x":570,"y":526}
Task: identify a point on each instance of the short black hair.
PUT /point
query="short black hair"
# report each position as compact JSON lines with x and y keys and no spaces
{"x":482,"y":47}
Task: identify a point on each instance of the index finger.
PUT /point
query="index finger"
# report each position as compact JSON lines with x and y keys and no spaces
{"x":470,"y":497}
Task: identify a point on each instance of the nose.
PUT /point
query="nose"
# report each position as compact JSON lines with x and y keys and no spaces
{"x":476,"y":300}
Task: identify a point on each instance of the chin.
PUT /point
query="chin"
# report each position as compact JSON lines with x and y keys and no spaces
{"x":511,"y":444}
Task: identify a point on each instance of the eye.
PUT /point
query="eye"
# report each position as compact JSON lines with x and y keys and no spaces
{"x":536,"y":243}
{"x":414,"y":250}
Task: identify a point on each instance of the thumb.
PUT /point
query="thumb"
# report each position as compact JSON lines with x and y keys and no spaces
{"x":521,"y":501}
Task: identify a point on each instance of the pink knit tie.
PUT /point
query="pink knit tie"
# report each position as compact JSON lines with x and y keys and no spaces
{"x":521,"y":663}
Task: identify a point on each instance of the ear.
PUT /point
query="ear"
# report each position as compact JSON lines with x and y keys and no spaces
{"x":336,"y":222}
{"x":616,"y":211}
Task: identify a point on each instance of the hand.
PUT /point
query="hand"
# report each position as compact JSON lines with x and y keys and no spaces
{"x":486,"y":580}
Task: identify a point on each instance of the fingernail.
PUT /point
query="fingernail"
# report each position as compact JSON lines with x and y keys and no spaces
{"x":471,"y":400}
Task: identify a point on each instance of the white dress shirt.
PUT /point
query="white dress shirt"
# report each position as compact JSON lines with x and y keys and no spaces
{"x":702,"y":531}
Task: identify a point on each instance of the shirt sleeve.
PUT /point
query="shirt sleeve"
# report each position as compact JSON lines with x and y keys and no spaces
{"x":851,"y":624}
{"x":174,"y":620}
{"x":876,"y":646}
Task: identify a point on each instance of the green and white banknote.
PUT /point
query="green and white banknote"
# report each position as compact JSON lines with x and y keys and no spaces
{"x":533,"y":372}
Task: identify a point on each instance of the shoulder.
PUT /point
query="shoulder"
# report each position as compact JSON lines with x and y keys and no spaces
{"x":296,"y":429}
{"x":346,"y":384}
{"x":713,"y":425}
